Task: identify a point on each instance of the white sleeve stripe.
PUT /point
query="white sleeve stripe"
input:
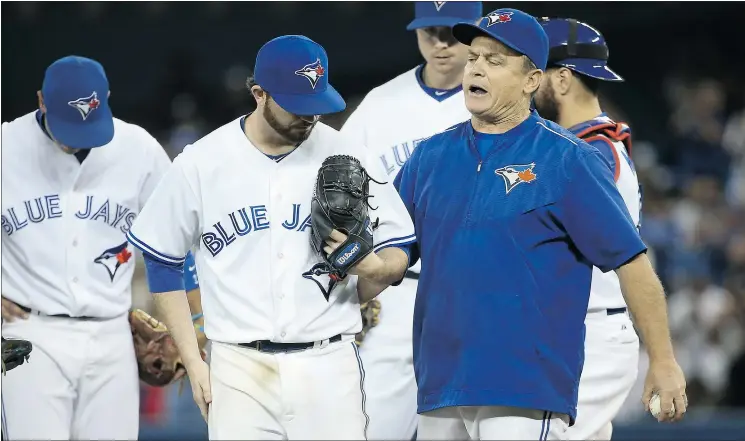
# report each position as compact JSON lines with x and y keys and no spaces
{"x":145,"y":248}
{"x":555,"y":132}
{"x":395,"y":241}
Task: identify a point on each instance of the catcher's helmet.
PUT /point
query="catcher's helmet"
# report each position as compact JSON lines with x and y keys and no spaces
{"x":578,"y":47}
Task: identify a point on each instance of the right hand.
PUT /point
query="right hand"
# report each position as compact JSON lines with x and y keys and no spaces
{"x":11,"y":311}
{"x":667,"y":379}
{"x":199,"y":377}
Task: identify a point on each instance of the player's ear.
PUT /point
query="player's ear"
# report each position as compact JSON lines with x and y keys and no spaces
{"x":40,"y":98}
{"x":259,"y":94}
{"x":563,"y":80}
{"x":533,"y":81}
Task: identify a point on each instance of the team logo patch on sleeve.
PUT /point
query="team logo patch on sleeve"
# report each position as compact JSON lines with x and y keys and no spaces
{"x":313,"y":72}
{"x":515,"y":175}
{"x":86,"y":105}
{"x":502,"y":17}
{"x":113,"y":258}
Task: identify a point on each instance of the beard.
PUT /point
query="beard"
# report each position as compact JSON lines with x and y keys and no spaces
{"x":546,"y":104}
{"x":295,"y":133}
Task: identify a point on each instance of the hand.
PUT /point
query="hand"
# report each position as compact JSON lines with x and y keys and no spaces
{"x":666,"y":378}
{"x":365,"y":268}
{"x":11,"y":311}
{"x":199,"y":377}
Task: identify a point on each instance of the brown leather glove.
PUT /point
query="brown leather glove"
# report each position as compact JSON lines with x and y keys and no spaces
{"x":158,"y":360}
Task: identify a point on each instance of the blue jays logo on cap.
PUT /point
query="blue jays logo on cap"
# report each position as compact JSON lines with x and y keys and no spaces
{"x":86,"y":105}
{"x":313,"y":72}
{"x":439,"y":5}
{"x":515,"y":175}
{"x":113,"y":258}
{"x":498,"y":17}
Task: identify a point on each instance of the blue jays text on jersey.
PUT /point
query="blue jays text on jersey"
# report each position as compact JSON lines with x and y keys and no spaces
{"x":48,"y":207}
{"x":394,"y":159}
{"x":245,"y":220}
{"x":507,"y":259}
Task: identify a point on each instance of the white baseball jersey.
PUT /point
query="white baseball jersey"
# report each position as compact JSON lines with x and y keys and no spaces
{"x":249,"y":219}
{"x":64,"y":249}
{"x":605,"y":292}
{"x":395,"y":117}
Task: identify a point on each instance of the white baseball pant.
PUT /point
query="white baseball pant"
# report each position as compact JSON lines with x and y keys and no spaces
{"x":491,"y":423}
{"x":311,"y":394}
{"x":609,"y":373}
{"x":80,"y":382}
{"x":386,"y":352}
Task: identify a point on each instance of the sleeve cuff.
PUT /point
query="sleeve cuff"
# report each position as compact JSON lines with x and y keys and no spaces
{"x":154,"y":254}
{"x":395,"y":242}
{"x":162,"y":277}
{"x":622,"y":260}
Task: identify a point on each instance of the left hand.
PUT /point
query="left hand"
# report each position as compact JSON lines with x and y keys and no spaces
{"x":665,"y":377}
{"x":365,"y":268}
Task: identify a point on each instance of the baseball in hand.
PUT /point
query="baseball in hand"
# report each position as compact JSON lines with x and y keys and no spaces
{"x":655,"y":406}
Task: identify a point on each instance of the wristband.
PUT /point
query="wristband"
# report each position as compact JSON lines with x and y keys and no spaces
{"x":196,"y":317}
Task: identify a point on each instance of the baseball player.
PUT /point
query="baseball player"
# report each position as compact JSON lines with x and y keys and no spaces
{"x":283,"y":363}
{"x":391,"y":120}
{"x":74,"y":178}
{"x":512,"y":212}
{"x":577,"y":63}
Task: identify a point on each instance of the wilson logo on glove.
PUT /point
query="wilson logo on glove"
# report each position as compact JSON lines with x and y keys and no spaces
{"x":348,"y":253}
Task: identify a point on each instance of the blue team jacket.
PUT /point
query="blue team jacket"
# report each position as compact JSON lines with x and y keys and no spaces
{"x":507,"y":243}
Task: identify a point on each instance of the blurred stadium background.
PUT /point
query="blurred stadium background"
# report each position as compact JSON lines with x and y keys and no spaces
{"x":178,"y":69}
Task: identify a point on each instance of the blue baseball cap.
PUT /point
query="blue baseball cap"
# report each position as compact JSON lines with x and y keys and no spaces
{"x":578,"y":47}
{"x":294,"y":70}
{"x":76,"y":97}
{"x":428,"y":14}
{"x":513,"y":28}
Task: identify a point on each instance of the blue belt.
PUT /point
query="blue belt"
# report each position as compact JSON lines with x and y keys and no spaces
{"x":614,"y":311}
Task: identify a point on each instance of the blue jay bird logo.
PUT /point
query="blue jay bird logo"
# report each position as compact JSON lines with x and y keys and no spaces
{"x":515,"y":175}
{"x":313,"y":72}
{"x":86,"y":105}
{"x":501,"y":17}
{"x":113,"y":258}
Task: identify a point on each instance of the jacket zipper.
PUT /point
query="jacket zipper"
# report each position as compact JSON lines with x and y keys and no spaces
{"x":472,"y":146}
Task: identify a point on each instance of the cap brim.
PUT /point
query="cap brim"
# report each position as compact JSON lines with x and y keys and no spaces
{"x":465,"y":33}
{"x":426,"y":22}
{"x":83,"y":135}
{"x":591,"y":68}
{"x":323,"y":103}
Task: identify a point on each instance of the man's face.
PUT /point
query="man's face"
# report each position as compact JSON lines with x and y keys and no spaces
{"x":546,"y":102}
{"x":293,"y":128}
{"x":495,"y":78}
{"x":440,"y":49}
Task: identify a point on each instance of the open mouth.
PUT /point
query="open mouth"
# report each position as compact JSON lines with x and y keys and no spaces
{"x":476,"y":90}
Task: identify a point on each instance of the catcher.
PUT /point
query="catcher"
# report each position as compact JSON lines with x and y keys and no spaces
{"x":74,"y":178}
